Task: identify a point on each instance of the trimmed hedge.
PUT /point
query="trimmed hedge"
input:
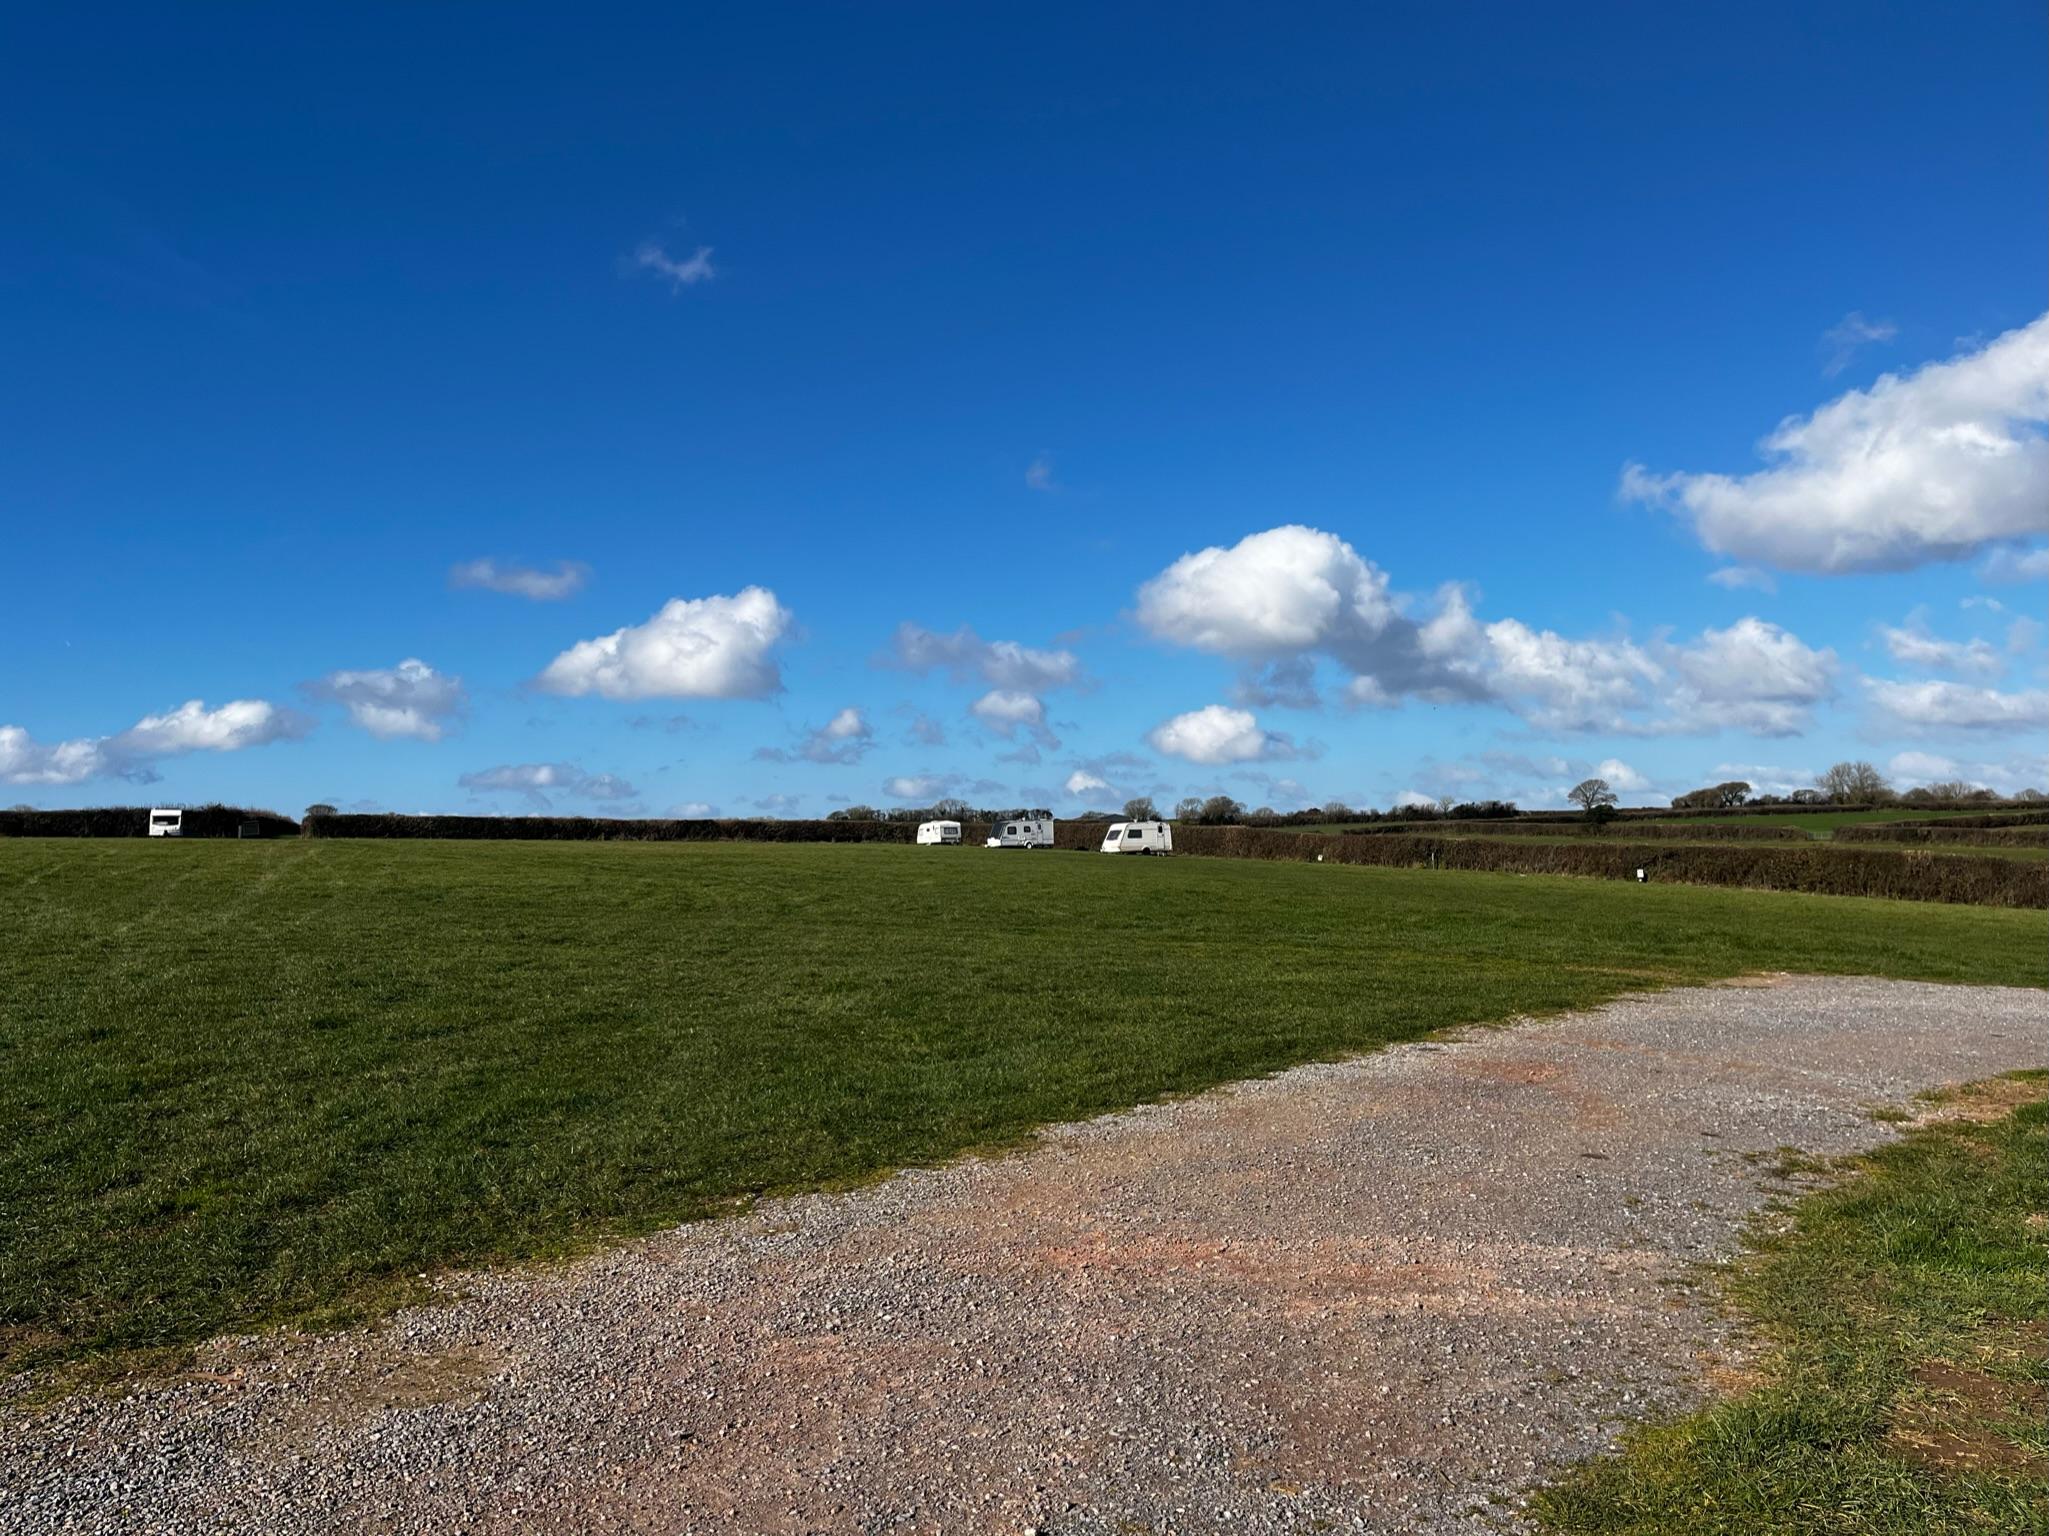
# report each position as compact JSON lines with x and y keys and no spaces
{"x":133,"y":821}
{"x":1899,"y":874}
{"x":603,"y":829}
{"x":1614,"y":830}
{"x":2031,"y":835}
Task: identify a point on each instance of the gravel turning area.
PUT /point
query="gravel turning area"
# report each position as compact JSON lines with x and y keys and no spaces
{"x":1385,"y":1295}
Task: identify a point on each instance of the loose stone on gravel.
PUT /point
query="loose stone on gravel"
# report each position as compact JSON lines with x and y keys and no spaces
{"x":1384,"y":1295}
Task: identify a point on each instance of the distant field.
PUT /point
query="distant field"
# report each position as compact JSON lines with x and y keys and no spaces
{"x":1823,"y":824}
{"x":246,"y":1082}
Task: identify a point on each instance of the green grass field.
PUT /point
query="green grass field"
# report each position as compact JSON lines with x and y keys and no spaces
{"x":251,"y":1082}
{"x":1903,"y":1393}
{"x":1823,"y":824}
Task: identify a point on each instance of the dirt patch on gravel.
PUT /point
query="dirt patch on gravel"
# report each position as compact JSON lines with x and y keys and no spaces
{"x":1386,"y":1295}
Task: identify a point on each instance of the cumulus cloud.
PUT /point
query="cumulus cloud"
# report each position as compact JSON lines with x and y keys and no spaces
{"x":845,"y":738}
{"x":1931,"y":465}
{"x":1217,"y":734}
{"x":965,"y":656}
{"x":1277,"y":601}
{"x":565,"y":580}
{"x":694,"y":810}
{"x":535,"y":782}
{"x":1752,"y":676}
{"x":410,"y":699}
{"x":918,"y":786}
{"x":1082,"y":783}
{"x":694,"y":648}
{"x":24,"y":760}
{"x":1912,"y":645}
{"x":678,"y":271}
{"x":1920,"y":708}
{"x":191,"y":727}
{"x":1010,"y":711}
{"x":1620,"y":776}
{"x":1841,"y":341}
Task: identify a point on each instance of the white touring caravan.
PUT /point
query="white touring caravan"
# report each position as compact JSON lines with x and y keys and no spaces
{"x":1022,"y":832}
{"x":165,"y":821}
{"x":938,"y":832}
{"x":1138,"y":837}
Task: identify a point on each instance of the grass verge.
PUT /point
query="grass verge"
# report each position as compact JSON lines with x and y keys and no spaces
{"x":249,"y":1083}
{"x":1906,"y":1313}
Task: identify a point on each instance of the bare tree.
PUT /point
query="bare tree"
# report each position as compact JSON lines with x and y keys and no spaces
{"x":1591,"y":795}
{"x":319,"y":808}
{"x":1141,"y":808}
{"x":1189,"y":809}
{"x":1218,"y":810}
{"x":1854,"y":784}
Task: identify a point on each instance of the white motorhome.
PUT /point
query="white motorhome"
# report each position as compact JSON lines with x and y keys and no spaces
{"x":1138,"y":837}
{"x":939,"y":832}
{"x":1022,"y":832}
{"x":166,"y":821}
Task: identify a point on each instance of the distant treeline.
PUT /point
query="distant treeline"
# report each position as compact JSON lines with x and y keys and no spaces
{"x":133,"y":821}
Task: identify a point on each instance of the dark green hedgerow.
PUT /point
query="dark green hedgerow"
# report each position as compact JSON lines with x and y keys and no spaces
{"x":1899,"y":874}
{"x":133,"y":821}
{"x":606,"y":830}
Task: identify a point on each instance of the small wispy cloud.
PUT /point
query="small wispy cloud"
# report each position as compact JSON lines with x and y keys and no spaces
{"x":566,"y":580}
{"x":677,"y":271}
{"x":1840,"y":342}
{"x":1038,"y":475}
{"x":1736,"y":576}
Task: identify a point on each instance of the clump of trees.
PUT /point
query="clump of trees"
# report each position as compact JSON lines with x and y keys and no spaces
{"x":1720,"y":797}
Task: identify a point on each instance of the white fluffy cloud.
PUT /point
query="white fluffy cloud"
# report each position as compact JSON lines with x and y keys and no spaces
{"x":1752,"y":676}
{"x":410,"y":699}
{"x":1620,"y":776}
{"x":1288,"y":593}
{"x":1931,"y":465}
{"x":1082,"y":783}
{"x":1923,"y":707}
{"x":1276,"y":601}
{"x":24,"y":760}
{"x":565,"y":580}
{"x":535,"y":782}
{"x":966,"y":656}
{"x":1010,"y":711}
{"x":1218,"y":734}
{"x":191,"y":727}
{"x":694,"y":648}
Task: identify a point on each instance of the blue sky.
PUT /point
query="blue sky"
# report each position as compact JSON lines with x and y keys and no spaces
{"x":450,"y":409}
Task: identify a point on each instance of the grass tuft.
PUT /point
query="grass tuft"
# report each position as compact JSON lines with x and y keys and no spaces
{"x":1906,"y":1310}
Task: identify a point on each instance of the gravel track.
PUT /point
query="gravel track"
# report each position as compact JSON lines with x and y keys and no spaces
{"x":1386,"y":1295}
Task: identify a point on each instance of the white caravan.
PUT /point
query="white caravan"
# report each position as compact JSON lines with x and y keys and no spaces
{"x":1022,"y":832}
{"x":1138,"y":837}
{"x":939,"y":832}
{"x":165,"y":821}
